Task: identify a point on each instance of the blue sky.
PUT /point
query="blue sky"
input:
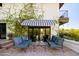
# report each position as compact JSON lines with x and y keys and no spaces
{"x":73,"y":14}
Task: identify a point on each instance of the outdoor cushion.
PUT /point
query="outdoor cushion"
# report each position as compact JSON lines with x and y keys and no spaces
{"x":24,"y":38}
{"x":53,"y":45}
{"x":54,"y":39}
{"x":57,"y":43}
{"x":60,"y":41}
{"x":21,"y":42}
{"x":24,"y":45}
{"x":18,"y":40}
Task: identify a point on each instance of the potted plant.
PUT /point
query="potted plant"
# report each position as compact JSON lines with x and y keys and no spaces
{"x":10,"y":35}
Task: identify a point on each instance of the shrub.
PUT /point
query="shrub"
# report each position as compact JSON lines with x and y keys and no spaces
{"x":72,"y":34}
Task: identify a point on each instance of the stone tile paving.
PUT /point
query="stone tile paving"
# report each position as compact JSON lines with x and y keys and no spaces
{"x":37,"y":51}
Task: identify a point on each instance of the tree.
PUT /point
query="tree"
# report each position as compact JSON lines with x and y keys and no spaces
{"x":29,"y":11}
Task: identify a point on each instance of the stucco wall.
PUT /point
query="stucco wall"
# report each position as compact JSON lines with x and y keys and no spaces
{"x":51,"y":11}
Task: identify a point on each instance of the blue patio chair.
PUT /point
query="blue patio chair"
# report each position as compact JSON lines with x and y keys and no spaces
{"x":21,"y":42}
{"x":55,"y":42}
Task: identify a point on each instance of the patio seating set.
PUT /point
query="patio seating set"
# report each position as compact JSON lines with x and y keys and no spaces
{"x":55,"y":42}
{"x":21,"y":42}
{"x":24,"y":42}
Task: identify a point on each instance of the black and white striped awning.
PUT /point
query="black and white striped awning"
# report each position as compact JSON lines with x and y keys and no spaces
{"x":38,"y":23}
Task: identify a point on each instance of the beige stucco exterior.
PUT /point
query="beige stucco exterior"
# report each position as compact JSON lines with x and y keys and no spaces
{"x":50,"y":10}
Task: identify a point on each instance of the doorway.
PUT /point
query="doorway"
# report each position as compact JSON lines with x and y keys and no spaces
{"x":2,"y":30}
{"x":37,"y":33}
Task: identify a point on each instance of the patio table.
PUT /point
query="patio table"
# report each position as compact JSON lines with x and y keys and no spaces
{"x":39,"y":43}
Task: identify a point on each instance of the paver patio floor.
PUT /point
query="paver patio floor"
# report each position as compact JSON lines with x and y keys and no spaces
{"x":38,"y":51}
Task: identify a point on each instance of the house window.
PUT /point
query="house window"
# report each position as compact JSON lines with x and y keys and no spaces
{"x":0,"y":4}
{"x":2,"y":30}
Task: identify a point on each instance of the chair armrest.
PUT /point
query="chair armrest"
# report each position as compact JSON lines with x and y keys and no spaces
{"x":60,"y":41}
